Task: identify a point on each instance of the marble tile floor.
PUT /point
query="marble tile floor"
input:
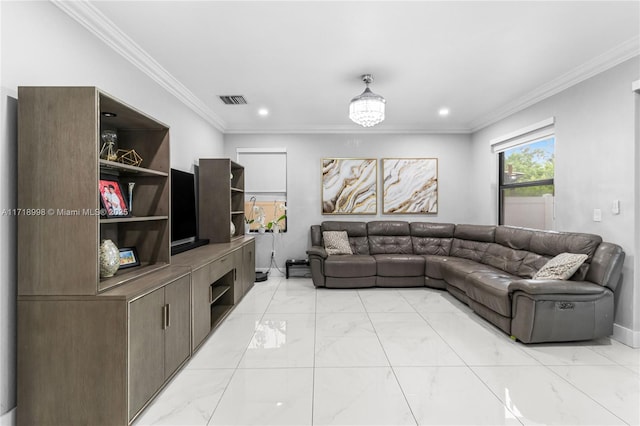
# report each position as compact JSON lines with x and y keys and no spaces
{"x":292,"y":355}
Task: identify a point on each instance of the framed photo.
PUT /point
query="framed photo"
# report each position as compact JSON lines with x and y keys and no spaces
{"x":349,"y":185}
{"x":129,"y":257}
{"x":112,"y":198}
{"x":410,"y":185}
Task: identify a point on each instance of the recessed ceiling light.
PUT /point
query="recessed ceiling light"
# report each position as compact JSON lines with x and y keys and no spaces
{"x":443,"y":112}
{"x":263,"y":112}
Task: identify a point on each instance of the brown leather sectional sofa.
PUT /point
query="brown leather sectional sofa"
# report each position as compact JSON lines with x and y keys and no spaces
{"x":490,"y":268}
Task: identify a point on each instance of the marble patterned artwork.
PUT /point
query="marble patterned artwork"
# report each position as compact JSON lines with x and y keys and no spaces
{"x":349,"y":186}
{"x":410,"y":185}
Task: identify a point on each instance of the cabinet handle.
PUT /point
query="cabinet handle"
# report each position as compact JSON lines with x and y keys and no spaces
{"x":168,"y":315}
{"x":164,"y":317}
{"x":235,"y":274}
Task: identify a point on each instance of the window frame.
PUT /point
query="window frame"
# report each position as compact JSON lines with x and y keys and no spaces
{"x":502,"y":186}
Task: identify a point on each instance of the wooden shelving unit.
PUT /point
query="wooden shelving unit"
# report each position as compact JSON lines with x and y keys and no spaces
{"x":93,"y":350}
{"x":221,"y":196}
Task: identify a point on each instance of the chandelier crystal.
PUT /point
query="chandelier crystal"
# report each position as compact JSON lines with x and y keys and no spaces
{"x":367,"y":109}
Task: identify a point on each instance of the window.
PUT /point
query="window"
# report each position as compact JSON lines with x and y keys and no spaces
{"x":525,"y":176}
{"x":265,"y":193}
{"x":526,"y":188}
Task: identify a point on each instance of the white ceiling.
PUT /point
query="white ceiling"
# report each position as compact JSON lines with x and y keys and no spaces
{"x":303,"y":59}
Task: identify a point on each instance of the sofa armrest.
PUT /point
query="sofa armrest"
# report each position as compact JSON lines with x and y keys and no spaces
{"x":555,"y":287}
{"x":317,"y":251}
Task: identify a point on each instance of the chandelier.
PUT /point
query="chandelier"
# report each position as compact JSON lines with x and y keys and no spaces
{"x":367,"y":109}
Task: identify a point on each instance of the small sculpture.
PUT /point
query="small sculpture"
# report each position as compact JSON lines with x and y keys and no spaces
{"x":129,"y":157}
{"x":108,"y":150}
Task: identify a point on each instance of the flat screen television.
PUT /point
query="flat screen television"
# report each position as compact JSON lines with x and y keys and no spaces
{"x":184,"y":217}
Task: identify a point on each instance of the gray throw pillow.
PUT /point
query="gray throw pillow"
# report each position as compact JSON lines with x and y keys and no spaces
{"x":561,"y":267}
{"x":336,"y":242}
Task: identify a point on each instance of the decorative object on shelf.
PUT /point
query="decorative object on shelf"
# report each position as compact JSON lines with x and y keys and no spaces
{"x":367,"y":109}
{"x":231,"y":174}
{"x":131,"y":185}
{"x":128,"y":257}
{"x":109,"y":259}
{"x":112,"y":198}
{"x":410,"y":185}
{"x":232,"y":228}
{"x":129,"y":157}
{"x":349,"y":186}
{"x":108,"y":149}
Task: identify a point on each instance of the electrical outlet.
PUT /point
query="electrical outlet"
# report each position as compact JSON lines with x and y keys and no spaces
{"x":597,"y":215}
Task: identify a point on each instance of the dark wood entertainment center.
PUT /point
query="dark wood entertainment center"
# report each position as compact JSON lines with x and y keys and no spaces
{"x":97,"y":350}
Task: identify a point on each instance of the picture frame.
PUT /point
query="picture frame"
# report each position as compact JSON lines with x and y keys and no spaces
{"x":112,"y":199}
{"x":410,"y":186}
{"x":128,"y":257}
{"x":349,"y":186}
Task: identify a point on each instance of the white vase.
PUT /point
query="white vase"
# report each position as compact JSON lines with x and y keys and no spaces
{"x":261,"y":230}
{"x":109,"y":259}
{"x":247,"y":228}
{"x":232,"y":229}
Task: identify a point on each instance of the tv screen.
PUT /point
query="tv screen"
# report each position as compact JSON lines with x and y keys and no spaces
{"x":183,"y":207}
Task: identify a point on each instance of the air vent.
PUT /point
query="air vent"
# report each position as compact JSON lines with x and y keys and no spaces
{"x":233,"y":100}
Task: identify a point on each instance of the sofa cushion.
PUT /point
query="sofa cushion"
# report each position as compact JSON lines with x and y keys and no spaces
{"x":389,"y":237}
{"x":399,"y":265}
{"x":482,"y":233}
{"x":455,"y":270}
{"x":531,"y":264}
{"x":348,"y":266}
{"x":433,"y":265}
{"x":336,"y":242}
{"x":467,"y":249}
{"x":514,"y":237}
{"x":357,"y":232}
{"x":553,"y":243}
{"x":491,"y":289}
{"x":561,"y":267}
{"x":504,"y":258}
{"x":431,"y":238}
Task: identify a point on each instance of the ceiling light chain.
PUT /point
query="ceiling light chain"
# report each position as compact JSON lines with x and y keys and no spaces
{"x":367,"y":109}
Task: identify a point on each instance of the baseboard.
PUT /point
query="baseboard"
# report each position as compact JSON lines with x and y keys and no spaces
{"x":8,"y":418}
{"x":626,"y":336}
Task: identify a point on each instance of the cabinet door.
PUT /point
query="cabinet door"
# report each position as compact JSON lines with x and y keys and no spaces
{"x":177,"y":338}
{"x":146,"y":349}
{"x":249,"y":266}
{"x":201,"y":305}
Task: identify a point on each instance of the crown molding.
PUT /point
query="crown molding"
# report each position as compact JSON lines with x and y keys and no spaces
{"x":347,"y":130}
{"x":607,"y":60}
{"x":102,"y":27}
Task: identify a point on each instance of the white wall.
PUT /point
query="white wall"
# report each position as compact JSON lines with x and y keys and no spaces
{"x":304,"y":154}
{"x":595,"y":154}
{"x":41,"y":46}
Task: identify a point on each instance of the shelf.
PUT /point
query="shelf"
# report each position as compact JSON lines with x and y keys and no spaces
{"x":133,"y":219}
{"x":237,"y":212}
{"x":217,"y":291}
{"x":218,"y":313}
{"x":125,"y":275}
{"x":237,"y":190}
{"x":113,"y":165}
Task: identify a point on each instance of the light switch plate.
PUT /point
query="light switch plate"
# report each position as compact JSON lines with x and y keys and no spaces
{"x":597,"y":215}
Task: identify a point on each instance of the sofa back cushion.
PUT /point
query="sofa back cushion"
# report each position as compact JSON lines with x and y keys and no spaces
{"x":550,"y":243}
{"x":504,"y":258}
{"x":389,"y":237}
{"x":472,"y":241}
{"x":431,"y":238}
{"x":514,"y":237}
{"x":357,"y":232}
